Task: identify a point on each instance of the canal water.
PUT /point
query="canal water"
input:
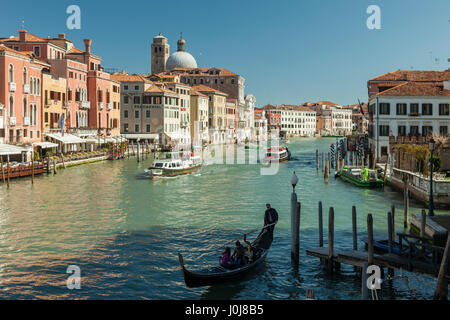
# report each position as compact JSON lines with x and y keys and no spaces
{"x":124,"y":232}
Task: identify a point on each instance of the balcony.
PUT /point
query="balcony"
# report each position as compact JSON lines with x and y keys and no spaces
{"x":12,"y":87}
{"x":109,"y":106}
{"x":84,"y":104}
{"x":12,"y":121}
{"x":100,"y":105}
{"x":65,"y":105}
{"x":26,"y":121}
{"x":26,"y":88}
{"x":414,"y":114}
{"x":184,"y":124}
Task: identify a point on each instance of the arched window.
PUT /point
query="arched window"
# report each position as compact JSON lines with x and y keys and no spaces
{"x":25,"y":75}
{"x":11,"y":106}
{"x":25,"y":110}
{"x":11,"y":73}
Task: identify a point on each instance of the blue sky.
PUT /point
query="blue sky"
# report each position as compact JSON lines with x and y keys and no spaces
{"x":289,"y":51}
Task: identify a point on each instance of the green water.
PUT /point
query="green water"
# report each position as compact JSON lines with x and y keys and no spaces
{"x":124,"y":231}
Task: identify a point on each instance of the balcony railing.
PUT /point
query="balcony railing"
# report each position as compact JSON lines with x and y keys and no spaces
{"x":26,"y":88}
{"x":414,"y":114}
{"x":26,"y":121}
{"x":85,"y":104}
{"x":100,"y":105}
{"x":12,"y":121}
{"x":12,"y":86}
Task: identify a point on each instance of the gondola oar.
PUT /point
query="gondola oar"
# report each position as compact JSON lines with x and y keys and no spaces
{"x":253,"y":231}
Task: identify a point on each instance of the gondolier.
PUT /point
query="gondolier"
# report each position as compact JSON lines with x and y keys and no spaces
{"x":270,"y":217}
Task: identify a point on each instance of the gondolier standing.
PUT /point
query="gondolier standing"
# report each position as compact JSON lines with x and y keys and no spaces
{"x":270,"y":217}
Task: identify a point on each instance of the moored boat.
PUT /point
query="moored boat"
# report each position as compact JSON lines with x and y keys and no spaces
{"x":277,"y":154}
{"x":361,"y":177}
{"x":217,"y":275}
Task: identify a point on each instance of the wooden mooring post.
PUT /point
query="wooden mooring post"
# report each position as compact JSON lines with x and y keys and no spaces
{"x":370,"y":239}
{"x":393,"y":221}
{"x":317,"y":159}
{"x":32,"y":168}
{"x":423,"y":224}
{"x":295,"y":228}
{"x":310,"y":294}
{"x":320,"y":225}
{"x":390,"y":240}
{"x":354,"y":232}
{"x":441,"y":290}
{"x":406,"y":201}
{"x":322,"y":161}
{"x":54,"y":166}
{"x":330,"y":260}
{"x":3,"y":171}
{"x":8,"y":169}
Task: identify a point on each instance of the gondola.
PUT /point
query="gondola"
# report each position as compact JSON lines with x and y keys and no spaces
{"x":218,"y":275}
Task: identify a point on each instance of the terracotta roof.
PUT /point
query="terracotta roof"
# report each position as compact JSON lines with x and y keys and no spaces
{"x":205,"y":71}
{"x":28,"y":38}
{"x":159,"y":89}
{"x":125,"y":77}
{"x":287,"y":107}
{"x":75,"y":50}
{"x":327,"y":103}
{"x":197,"y":93}
{"x":414,"y":75}
{"x":202,"y":88}
{"x":413,"y":89}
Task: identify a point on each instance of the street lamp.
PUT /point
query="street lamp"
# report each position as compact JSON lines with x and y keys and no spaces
{"x":431,"y":144}
{"x":294,"y":181}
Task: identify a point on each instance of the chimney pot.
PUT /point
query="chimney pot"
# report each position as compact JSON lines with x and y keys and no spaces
{"x":61,"y":35}
{"x":87,"y":44}
{"x":22,"y":34}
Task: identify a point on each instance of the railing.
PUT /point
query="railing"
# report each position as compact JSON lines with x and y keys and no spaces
{"x":26,"y":121}
{"x":85,"y":104}
{"x":12,"y":121}
{"x":420,"y":250}
{"x":12,"y":86}
{"x":26,"y":88}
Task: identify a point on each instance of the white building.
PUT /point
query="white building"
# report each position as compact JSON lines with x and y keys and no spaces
{"x":407,"y":109}
{"x":341,"y":121}
{"x":295,"y":120}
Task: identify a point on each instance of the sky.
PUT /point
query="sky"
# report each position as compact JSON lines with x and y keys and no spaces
{"x":288,"y":51}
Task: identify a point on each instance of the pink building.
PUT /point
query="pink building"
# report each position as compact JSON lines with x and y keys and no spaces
{"x":20,"y":96}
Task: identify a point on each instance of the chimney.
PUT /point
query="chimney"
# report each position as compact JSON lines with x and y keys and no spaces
{"x":22,"y":34}
{"x":87,"y":44}
{"x":61,"y":35}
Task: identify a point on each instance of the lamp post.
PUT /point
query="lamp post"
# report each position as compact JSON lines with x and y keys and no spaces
{"x":430,"y":202}
{"x":295,"y":222}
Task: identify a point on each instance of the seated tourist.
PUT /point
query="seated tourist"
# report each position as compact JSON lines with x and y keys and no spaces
{"x":238,"y":255}
{"x":225,"y":259}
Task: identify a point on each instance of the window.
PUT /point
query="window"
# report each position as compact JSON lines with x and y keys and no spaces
{"x":147,"y":113}
{"x":125,"y":113}
{"x":401,"y":109}
{"x":137,"y":100}
{"x":443,"y":131}
{"x":402,"y":130}
{"x":427,"y":130}
{"x":25,"y":75}
{"x":414,"y":130}
{"x":385,"y":108}
{"x":136,"y":114}
{"x":125,"y":127}
{"x":37,"y":51}
{"x":125,"y":87}
{"x":11,"y":73}
{"x":414,"y":109}
{"x":136,"y":128}
{"x":384,"y":131}
{"x":11,"y":106}
{"x":384,"y":151}
{"x":427,"y":109}
{"x":148,"y":128}
{"x":136,"y":87}
{"x":125,"y":99}
{"x":444,"y":109}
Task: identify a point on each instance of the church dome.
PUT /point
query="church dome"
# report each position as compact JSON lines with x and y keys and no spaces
{"x":181,"y":59}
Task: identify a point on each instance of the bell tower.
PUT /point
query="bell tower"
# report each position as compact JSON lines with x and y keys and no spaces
{"x":160,"y":53}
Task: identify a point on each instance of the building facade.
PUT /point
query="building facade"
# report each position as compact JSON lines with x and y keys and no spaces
{"x":199,"y":118}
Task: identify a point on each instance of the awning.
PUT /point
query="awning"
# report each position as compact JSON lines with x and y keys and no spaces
{"x":66,"y":139}
{"x":140,"y":135}
{"x":45,"y":145}
{"x":8,"y":149}
{"x":92,"y":140}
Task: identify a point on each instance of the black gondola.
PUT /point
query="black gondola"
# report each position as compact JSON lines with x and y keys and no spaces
{"x":217,"y":275}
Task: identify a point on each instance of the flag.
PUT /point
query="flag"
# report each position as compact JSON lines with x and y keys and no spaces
{"x":61,"y":124}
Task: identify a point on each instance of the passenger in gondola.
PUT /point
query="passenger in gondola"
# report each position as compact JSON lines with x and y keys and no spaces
{"x":238,"y":256}
{"x":250,"y":257}
{"x":225,"y":259}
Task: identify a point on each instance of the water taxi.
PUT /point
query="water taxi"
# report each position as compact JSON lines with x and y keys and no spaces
{"x":279,"y":154}
{"x":361,"y":177}
{"x":173,"y":167}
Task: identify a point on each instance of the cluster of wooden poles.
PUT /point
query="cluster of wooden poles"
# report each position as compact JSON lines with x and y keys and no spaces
{"x":351,"y":158}
{"x":6,"y":180}
{"x":142,"y":150}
